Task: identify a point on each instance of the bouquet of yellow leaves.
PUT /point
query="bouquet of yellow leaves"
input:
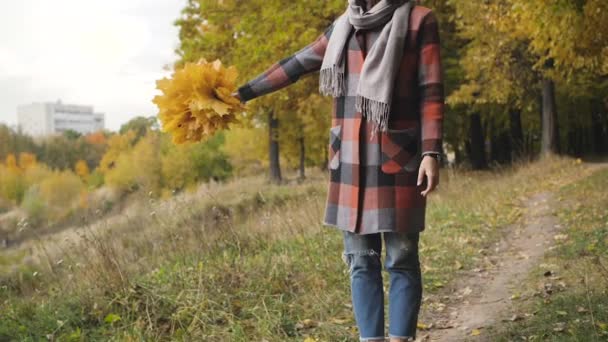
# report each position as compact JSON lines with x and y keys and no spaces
{"x":198,"y":101}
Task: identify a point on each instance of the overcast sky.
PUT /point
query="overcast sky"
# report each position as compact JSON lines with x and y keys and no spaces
{"x":103,"y":53}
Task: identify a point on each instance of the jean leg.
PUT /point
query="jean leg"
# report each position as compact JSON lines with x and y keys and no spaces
{"x":362,"y":256}
{"x":405,"y":292}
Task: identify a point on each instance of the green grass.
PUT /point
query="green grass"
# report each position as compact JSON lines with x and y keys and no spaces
{"x":244,"y":261}
{"x":577,"y":308}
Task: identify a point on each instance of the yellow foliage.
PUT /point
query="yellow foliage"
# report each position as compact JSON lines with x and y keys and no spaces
{"x":117,"y":144}
{"x":139,"y":168}
{"x":177,"y":167}
{"x":61,"y":189}
{"x":247,"y":157}
{"x":12,"y":186}
{"x":81,"y":168}
{"x":36,"y":174}
{"x":197,"y":101}
{"x":26,"y":160}
{"x":11,"y":162}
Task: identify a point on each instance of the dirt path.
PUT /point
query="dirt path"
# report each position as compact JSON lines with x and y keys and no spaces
{"x":482,"y":297}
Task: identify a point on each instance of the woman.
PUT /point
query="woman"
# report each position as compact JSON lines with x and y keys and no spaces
{"x":380,"y":61}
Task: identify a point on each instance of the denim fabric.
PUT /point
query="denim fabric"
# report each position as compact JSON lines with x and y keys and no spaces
{"x":362,"y":254}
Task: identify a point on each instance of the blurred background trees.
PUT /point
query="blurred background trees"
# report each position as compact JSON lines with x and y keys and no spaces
{"x":59,"y":177}
{"x":522,"y":79}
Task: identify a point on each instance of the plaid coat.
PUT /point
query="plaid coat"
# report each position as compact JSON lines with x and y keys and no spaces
{"x":372,"y":184}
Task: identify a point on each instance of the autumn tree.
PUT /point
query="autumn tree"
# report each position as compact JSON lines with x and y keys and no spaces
{"x":140,"y":125}
{"x":250,"y":35}
{"x":570,"y":38}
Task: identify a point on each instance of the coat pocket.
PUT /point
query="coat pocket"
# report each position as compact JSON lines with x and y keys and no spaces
{"x":335,"y":142}
{"x":400,"y":150}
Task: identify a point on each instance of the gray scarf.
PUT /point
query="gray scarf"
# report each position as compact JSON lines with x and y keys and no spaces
{"x":375,"y":90}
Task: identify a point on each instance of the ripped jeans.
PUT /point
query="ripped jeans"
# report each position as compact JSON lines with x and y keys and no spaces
{"x":362,"y":255}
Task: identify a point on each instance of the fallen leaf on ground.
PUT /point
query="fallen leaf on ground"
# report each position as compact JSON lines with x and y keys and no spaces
{"x":467,"y":291}
{"x":560,"y":237}
{"x":339,"y":320}
{"x":514,"y":318}
{"x":423,"y":326}
{"x":559,"y":327}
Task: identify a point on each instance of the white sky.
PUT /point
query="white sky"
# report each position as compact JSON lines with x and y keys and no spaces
{"x":106,"y":53}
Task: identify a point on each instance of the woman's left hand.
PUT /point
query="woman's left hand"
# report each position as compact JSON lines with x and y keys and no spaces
{"x":429,"y":167}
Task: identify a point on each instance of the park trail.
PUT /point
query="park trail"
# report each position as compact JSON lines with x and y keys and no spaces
{"x":482,"y":297}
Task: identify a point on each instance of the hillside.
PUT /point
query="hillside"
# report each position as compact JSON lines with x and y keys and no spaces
{"x":244,"y":261}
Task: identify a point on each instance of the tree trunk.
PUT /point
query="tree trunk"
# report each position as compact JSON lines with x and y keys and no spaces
{"x":273,"y":148}
{"x":506,"y":148}
{"x":517,"y":134}
{"x":477,"y":147}
{"x":571,"y":141}
{"x":549,"y":125}
{"x":302,"y":158}
{"x":458,"y":155}
{"x":325,"y":164}
{"x":500,"y":144}
{"x":599,"y":140}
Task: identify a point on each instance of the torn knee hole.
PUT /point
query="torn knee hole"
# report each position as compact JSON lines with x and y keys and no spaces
{"x":348,"y":257}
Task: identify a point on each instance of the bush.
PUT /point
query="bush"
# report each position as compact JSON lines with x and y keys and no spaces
{"x":95,"y":180}
{"x":36,"y":174}
{"x":139,"y":168}
{"x":34,"y":206}
{"x":12,"y":185}
{"x":61,"y":192}
{"x":178,"y":169}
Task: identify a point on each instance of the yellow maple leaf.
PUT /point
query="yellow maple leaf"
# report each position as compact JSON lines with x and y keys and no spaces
{"x":197,"y":101}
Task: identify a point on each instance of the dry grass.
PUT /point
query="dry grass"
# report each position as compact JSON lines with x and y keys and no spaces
{"x":238,"y":261}
{"x":566,"y":297}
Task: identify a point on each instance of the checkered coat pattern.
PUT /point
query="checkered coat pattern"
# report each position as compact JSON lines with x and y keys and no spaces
{"x":373,"y":178}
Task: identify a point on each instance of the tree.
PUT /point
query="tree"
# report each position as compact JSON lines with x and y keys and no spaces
{"x":251,"y":36}
{"x":570,"y":38}
{"x":138,"y":168}
{"x":82,"y":169}
{"x":497,"y":70}
{"x":185,"y":165}
{"x":140,"y":126}
{"x":117,"y":144}
{"x":71,"y":134}
{"x":15,"y":142}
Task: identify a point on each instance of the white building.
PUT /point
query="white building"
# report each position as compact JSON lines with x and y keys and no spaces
{"x":40,"y":119}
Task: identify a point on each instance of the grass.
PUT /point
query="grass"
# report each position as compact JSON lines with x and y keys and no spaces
{"x":569,"y":291}
{"x":241,"y":261}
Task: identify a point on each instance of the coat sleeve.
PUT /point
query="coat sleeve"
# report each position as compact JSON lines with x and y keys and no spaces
{"x":288,"y":70}
{"x":430,"y":83}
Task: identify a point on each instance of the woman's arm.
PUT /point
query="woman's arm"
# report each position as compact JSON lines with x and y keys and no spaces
{"x":288,"y":70}
{"x":430,"y":83}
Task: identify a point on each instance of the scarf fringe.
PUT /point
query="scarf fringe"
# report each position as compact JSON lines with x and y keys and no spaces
{"x":374,"y":111}
{"x":331,"y":82}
